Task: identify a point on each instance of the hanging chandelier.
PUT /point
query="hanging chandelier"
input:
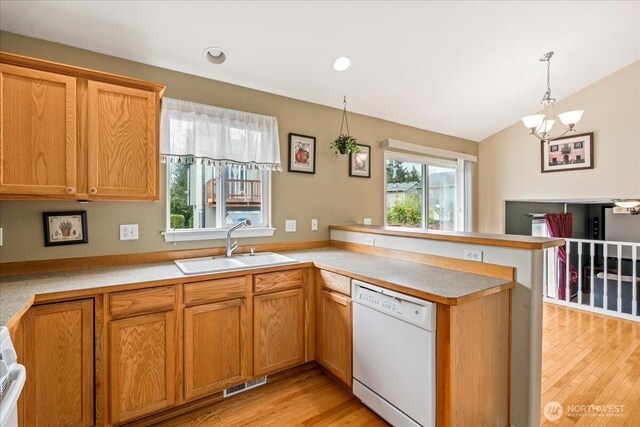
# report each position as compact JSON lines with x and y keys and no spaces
{"x":540,"y":125}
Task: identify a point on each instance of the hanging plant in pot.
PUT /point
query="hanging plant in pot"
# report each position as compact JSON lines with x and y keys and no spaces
{"x":344,"y":143}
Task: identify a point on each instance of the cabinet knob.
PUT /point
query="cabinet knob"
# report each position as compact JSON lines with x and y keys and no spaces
{"x":93,"y":190}
{"x":70,"y":190}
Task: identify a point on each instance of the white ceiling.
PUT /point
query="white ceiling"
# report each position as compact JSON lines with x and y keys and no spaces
{"x":467,"y":69}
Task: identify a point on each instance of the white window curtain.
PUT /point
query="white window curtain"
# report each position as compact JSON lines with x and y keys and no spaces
{"x":218,"y":135}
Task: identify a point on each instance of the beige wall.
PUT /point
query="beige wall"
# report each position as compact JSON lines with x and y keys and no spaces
{"x":509,"y":161}
{"x":330,"y":195}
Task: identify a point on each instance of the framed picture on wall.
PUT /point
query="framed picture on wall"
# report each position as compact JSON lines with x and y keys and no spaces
{"x":360,"y":162}
{"x":65,"y":228}
{"x":568,"y":153}
{"x":302,"y":153}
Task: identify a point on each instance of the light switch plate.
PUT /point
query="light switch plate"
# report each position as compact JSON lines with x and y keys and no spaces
{"x":473,"y":255}
{"x":0,"y":236}
{"x":314,"y":225}
{"x":290,"y":226}
{"x":367,"y":221}
{"x":129,"y":232}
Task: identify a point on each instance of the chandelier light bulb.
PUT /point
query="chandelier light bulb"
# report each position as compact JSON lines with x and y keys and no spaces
{"x":547,"y":125}
{"x":570,"y":117}
{"x":533,"y":121}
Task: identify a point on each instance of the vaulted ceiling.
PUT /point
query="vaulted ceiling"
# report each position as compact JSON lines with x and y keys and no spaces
{"x":467,"y":69}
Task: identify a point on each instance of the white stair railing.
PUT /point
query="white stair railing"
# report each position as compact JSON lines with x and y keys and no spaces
{"x":609,"y":283}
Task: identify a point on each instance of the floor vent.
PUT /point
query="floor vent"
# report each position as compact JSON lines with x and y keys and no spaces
{"x":244,"y":387}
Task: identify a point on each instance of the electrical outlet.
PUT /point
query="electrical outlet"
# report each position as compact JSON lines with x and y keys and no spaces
{"x":367,"y":221}
{"x":473,"y":255}
{"x":314,"y":225}
{"x":129,"y":232}
{"x":371,"y":241}
{"x":0,"y":236}
{"x":290,"y":226}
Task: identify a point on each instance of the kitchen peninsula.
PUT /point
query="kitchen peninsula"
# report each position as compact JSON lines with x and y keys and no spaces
{"x":473,"y":300}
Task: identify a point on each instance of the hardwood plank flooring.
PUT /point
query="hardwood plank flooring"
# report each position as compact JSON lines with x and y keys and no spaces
{"x":308,"y":399}
{"x":587,"y":359}
{"x":591,"y":367}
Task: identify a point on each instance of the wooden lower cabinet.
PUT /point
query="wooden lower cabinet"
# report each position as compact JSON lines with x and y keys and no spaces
{"x":278,"y":332}
{"x":217,"y":350}
{"x":334,"y":335}
{"x":58,"y":339}
{"x":142,"y":371}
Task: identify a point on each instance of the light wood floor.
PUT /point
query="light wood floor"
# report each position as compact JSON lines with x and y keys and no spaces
{"x":590,"y":359}
{"x":307,"y":399}
{"x":587,"y":359}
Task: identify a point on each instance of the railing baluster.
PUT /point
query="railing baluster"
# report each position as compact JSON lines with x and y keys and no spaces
{"x":605,"y":293}
{"x":567,"y":275}
{"x":545,"y":273}
{"x":592,"y":295}
{"x":634,"y":281}
{"x":619,"y":278}
{"x":579,"y":273}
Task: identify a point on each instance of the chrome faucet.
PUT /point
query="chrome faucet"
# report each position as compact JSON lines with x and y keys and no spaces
{"x":232,"y":247}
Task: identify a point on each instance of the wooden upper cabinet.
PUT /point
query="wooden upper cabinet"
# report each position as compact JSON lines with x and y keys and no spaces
{"x":334,"y":335}
{"x":73,"y":133}
{"x":38,"y":140}
{"x":122,"y":142}
{"x":142,"y":372}
{"x":217,"y":347}
{"x":58,"y":339}
{"x":278,"y":331}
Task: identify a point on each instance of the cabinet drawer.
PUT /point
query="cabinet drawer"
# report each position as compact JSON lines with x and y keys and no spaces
{"x":335,"y":282}
{"x":128,"y":303}
{"x":215,"y":290}
{"x":278,"y":281}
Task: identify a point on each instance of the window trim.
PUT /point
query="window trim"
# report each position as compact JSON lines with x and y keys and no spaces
{"x":264,"y":229}
{"x":185,"y":235}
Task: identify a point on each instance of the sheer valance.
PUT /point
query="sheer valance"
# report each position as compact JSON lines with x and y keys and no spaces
{"x":189,"y":131}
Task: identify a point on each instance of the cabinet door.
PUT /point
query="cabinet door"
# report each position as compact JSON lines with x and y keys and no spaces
{"x":334,"y":337}
{"x":142,"y":371}
{"x":38,"y":139}
{"x":216,"y":351}
{"x":122,"y":143}
{"x":278,"y":331}
{"x":59,"y":362}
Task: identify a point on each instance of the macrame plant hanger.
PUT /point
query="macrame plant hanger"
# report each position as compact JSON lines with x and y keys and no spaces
{"x":345,"y":120}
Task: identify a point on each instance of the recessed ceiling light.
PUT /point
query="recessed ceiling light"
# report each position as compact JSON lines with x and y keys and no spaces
{"x":341,"y":63}
{"x":215,"y":55}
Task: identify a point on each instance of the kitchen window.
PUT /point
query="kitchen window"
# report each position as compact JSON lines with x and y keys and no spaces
{"x":219,"y":165}
{"x":430,"y":193}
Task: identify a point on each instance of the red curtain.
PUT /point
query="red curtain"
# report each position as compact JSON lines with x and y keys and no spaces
{"x":561,"y":225}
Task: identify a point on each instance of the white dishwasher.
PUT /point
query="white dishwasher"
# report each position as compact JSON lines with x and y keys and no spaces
{"x":394,"y":355}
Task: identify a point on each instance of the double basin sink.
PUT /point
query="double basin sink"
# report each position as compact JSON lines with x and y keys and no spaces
{"x":237,"y":262}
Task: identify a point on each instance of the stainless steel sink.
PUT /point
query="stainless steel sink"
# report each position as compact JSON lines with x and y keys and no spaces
{"x":239,"y":262}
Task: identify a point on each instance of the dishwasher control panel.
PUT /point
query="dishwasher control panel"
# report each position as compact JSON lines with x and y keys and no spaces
{"x":404,"y":307}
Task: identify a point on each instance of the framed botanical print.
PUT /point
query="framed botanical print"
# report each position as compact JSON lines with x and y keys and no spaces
{"x":302,"y":153}
{"x":65,"y":228}
{"x":360,"y":162}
